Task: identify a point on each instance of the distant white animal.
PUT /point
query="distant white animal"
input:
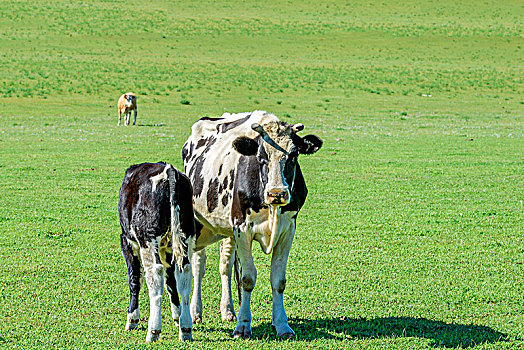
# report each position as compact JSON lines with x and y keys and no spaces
{"x":127,"y":104}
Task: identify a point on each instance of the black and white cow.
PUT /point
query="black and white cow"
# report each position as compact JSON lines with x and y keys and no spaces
{"x":158,"y":230}
{"x":247,"y":186}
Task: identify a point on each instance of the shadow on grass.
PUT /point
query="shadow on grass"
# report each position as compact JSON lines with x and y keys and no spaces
{"x":441,"y":334}
{"x":151,"y":125}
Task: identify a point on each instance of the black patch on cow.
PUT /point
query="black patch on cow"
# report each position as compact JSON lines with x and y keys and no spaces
{"x":225,"y":183}
{"x":187,"y":152}
{"x":220,"y":170}
{"x":308,"y":144}
{"x":232,"y":178}
{"x":200,"y":143}
{"x":248,"y":191}
{"x":245,"y":146}
{"x":225,"y":127}
{"x":212,"y":195}
{"x":225,"y":199}
{"x":298,"y":193}
{"x":196,"y":176}
{"x":211,"y":118}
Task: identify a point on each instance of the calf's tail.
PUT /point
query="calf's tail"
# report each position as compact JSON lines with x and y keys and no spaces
{"x":178,"y":237}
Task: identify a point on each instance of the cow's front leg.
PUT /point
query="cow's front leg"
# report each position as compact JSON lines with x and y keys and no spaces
{"x":227,"y":257}
{"x":120,"y":117}
{"x":249,"y":277}
{"x":198,"y":265}
{"x":136,"y":112}
{"x":278,"y":283}
{"x":127,"y":116}
{"x":155,"y":284}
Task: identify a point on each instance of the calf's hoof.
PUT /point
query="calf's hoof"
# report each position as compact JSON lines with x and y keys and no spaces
{"x":229,"y":317}
{"x":242,"y":331}
{"x":153,"y":336}
{"x":131,"y":325}
{"x":185,"y":334}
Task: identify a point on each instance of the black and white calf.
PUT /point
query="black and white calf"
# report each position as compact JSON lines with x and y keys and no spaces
{"x":248,"y":187}
{"x":158,"y":230}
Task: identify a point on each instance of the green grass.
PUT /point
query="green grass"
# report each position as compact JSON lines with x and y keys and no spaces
{"x":411,"y":236}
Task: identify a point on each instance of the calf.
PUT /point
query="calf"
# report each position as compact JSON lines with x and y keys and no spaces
{"x":158,"y":230}
{"x":127,"y":104}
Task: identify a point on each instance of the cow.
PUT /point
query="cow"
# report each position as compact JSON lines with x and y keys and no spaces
{"x":158,"y":230}
{"x":126,"y":105}
{"x":247,"y":186}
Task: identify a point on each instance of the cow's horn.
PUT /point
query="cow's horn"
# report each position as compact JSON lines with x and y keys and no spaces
{"x":298,"y":127}
{"x":257,"y":128}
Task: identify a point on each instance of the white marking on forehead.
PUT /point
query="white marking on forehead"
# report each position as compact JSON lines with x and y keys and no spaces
{"x":157,"y":178}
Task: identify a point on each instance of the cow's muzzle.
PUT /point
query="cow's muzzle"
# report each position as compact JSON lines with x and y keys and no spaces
{"x":278,"y":196}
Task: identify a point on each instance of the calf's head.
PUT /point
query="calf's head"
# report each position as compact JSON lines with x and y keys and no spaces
{"x":129,"y":99}
{"x":277,"y":148}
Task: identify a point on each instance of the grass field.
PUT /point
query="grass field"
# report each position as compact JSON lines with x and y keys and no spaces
{"x":412,"y":234}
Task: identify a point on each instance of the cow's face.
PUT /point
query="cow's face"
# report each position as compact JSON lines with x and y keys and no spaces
{"x":129,"y":100}
{"x":277,"y":149}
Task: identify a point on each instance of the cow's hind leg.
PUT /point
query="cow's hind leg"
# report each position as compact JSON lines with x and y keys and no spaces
{"x":136,"y":112}
{"x":227,"y":257}
{"x":183,"y":283}
{"x":133,"y":274}
{"x":155,"y":283}
{"x":198,"y":265}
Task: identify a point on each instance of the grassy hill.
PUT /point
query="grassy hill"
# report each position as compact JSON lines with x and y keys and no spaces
{"x":411,"y":236}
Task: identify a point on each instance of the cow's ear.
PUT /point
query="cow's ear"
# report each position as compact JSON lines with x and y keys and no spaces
{"x":310,"y":144}
{"x":245,"y":146}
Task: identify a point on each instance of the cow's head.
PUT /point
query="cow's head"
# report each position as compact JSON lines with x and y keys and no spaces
{"x":277,"y":148}
{"x":129,"y":99}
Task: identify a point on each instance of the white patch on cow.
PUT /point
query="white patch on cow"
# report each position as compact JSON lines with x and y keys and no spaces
{"x":160,"y":177}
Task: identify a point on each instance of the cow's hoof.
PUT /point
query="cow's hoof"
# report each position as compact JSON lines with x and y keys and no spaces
{"x":153,"y":336}
{"x":242,"y":331}
{"x":197,"y":319}
{"x":229,"y":317}
{"x":185,"y":334}
{"x":286,"y":336}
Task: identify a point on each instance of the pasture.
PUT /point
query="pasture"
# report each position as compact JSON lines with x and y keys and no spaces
{"x":412,"y":234}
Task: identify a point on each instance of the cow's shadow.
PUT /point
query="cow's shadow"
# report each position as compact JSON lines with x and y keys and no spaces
{"x":441,"y":334}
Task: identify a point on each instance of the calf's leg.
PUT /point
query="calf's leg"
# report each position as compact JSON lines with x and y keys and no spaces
{"x":172,"y":290}
{"x":155,"y":284}
{"x":133,"y":274}
{"x":183,"y":282}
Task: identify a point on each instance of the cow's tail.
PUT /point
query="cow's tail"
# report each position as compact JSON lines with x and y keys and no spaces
{"x":178,"y":238}
{"x":238,"y":273}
